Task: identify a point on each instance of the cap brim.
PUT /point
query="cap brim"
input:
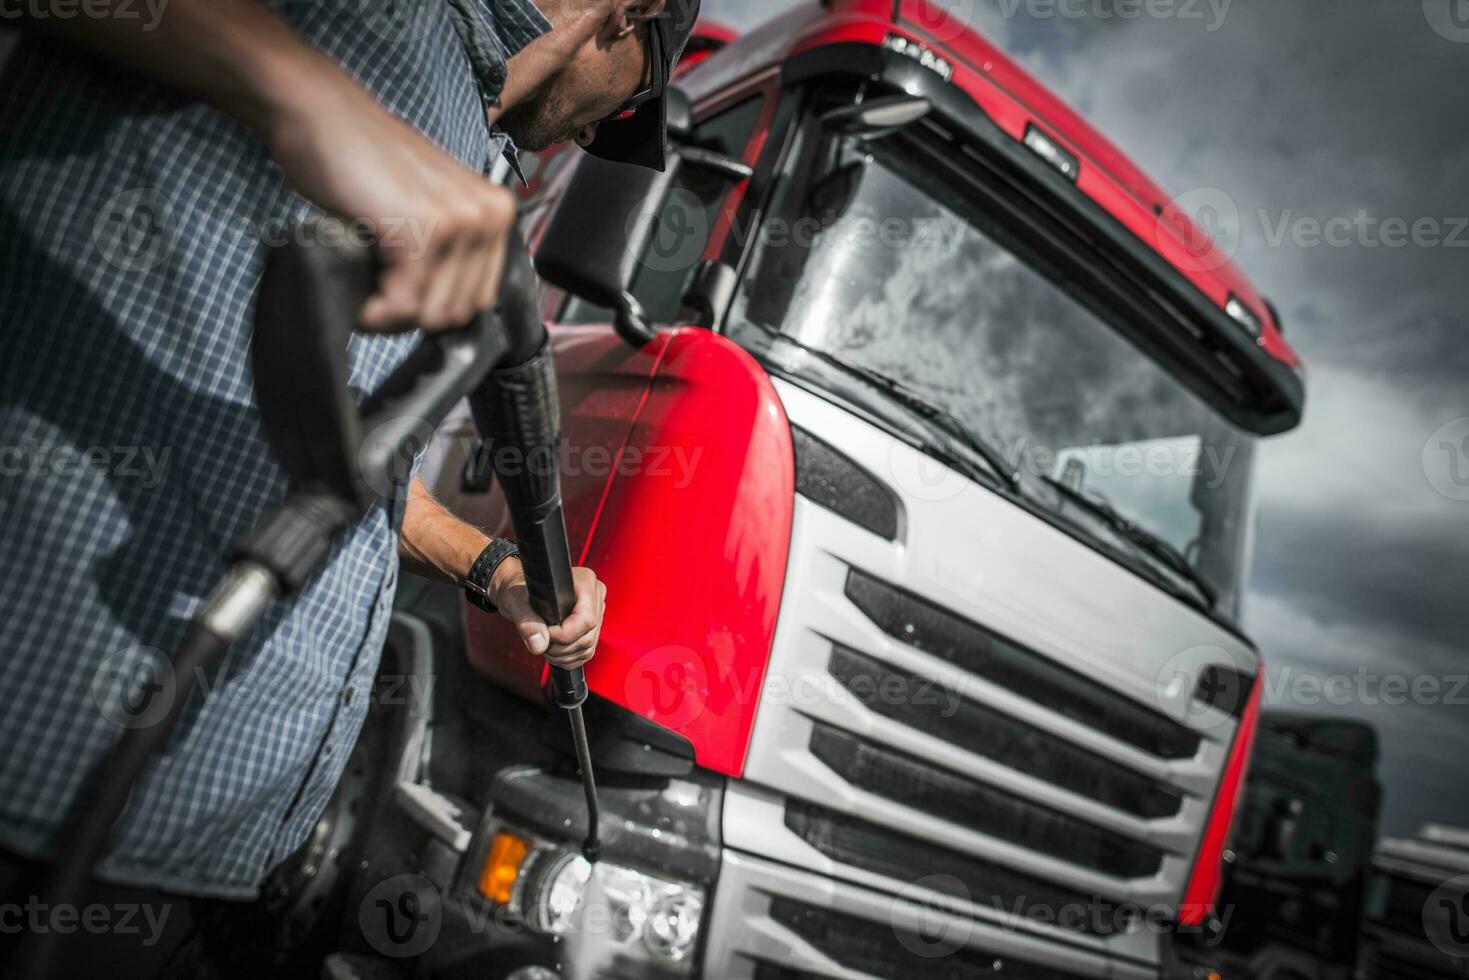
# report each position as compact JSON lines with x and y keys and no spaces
{"x":641,"y":139}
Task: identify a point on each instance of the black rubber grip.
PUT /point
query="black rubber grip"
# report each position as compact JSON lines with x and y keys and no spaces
{"x":294,"y":540}
{"x":517,"y":408}
{"x":570,"y":686}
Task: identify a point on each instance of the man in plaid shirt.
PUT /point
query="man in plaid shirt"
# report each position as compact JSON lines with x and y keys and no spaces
{"x":146,"y":162}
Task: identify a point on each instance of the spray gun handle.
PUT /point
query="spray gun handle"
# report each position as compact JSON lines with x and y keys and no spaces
{"x":306,"y":310}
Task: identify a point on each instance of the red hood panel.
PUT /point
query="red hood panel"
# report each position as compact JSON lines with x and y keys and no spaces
{"x":602,"y":384}
{"x":693,"y":548}
{"x":690,"y":532}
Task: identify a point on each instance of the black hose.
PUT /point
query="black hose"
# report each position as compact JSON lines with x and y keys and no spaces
{"x":105,"y":792}
{"x":305,"y":312}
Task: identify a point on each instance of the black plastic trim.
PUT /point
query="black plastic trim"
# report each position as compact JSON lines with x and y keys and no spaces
{"x":830,"y":479}
{"x":871,"y":847}
{"x":922,"y":704}
{"x":1224,"y":688}
{"x":625,"y":742}
{"x":884,"y":950}
{"x":982,"y":808}
{"x":985,"y":653}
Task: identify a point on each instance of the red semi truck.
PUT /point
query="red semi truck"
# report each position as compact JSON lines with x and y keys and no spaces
{"x":912,"y":429}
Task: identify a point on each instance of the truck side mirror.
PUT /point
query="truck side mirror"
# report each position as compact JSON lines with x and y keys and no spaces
{"x":596,"y":237}
{"x":599,"y":230}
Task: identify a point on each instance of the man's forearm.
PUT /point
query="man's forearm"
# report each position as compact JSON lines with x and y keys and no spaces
{"x":434,"y":543}
{"x":234,"y":54}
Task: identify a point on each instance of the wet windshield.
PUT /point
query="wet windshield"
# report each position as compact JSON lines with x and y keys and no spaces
{"x":883,"y":267}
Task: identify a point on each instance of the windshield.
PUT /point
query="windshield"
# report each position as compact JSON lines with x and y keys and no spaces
{"x":881,"y":266}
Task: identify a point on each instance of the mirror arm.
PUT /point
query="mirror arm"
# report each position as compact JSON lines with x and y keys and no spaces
{"x":720,"y":164}
{"x":710,"y":294}
{"x":631,"y":322}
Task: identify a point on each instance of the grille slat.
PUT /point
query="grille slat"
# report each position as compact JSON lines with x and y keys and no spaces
{"x":985,"y":731}
{"x":982,"y":883}
{"x":979,"y":807}
{"x":887,"y":951}
{"x":984,"y":653}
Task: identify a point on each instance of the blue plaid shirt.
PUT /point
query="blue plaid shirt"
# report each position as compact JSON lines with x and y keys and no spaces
{"x":133,"y":227}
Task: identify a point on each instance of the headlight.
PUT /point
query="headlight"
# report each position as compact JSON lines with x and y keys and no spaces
{"x":551,"y":906}
{"x":605,"y":914}
{"x":1243,"y":315}
{"x":673,"y":925}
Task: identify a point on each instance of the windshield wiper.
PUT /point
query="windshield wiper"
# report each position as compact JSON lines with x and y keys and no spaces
{"x":947,"y":421}
{"x":1171,"y":557}
{"x":941,"y":418}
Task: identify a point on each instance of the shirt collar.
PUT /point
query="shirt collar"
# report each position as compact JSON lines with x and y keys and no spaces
{"x":511,"y":153}
{"x":492,"y":32}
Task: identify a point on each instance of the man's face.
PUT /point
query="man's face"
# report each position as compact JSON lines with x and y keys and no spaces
{"x":602,"y":77}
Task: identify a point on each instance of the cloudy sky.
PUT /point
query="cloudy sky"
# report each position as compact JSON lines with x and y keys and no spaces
{"x":1319,"y":116}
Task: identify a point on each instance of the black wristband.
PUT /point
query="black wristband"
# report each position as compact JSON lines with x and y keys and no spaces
{"x":477,"y":582}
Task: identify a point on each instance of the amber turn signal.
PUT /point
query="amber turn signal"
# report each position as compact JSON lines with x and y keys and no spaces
{"x":497,"y":878}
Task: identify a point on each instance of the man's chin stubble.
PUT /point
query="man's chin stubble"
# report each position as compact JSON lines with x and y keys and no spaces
{"x":528,"y":128}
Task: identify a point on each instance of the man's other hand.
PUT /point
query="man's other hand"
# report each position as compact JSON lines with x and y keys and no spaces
{"x":440,"y":226}
{"x":573,"y":642}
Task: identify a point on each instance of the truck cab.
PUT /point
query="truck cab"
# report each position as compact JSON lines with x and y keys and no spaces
{"x":1302,"y":850}
{"x":1417,"y":921}
{"x":912,"y":429}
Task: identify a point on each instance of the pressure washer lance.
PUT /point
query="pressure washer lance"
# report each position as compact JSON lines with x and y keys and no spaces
{"x":338,"y":460}
{"x":517,"y":406}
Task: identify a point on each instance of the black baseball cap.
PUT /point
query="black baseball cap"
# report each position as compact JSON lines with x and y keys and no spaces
{"x":641,"y":138}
